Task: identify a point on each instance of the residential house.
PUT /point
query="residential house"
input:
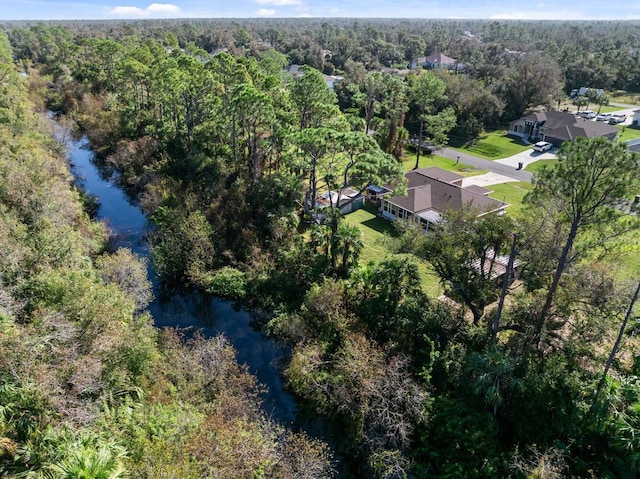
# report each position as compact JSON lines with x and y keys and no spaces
{"x":636,"y":118}
{"x":512,"y":53}
{"x":495,"y":266}
{"x":433,"y":191}
{"x":583,"y":90}
{"x":296,"y":71}
{"x":559,"y":126}
{"x":375,"y":193}
{"x":331,"y":80}
{"x":349,"y":200}
{"x":437,"y":60}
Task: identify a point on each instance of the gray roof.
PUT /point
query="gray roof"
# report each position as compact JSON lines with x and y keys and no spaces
{"x":580,"y":127}
{"x":566,"y":126}
{"x":294,"y":70}
{"x":481,"y":190}
{"x":417,"y":199}
{"x":424,"y":175}
{"x":441,"y":59}
{"x":551,"y":119}
{"x":434,"y":189}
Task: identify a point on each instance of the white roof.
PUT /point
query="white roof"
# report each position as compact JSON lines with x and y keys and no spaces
{"x":430,"y":215}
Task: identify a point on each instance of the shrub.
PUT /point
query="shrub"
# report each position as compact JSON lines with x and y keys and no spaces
{"x":227,"y":282}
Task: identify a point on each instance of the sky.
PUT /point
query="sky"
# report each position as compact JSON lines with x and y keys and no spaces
{"x":488,"y":9}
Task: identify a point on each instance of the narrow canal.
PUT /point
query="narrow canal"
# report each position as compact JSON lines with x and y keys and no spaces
{"x":211,"y":316}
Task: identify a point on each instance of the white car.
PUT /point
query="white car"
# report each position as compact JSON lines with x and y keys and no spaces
{"x":588,"y":114}
{"x":617,"y":118}
{"x":542,"y":146}
{"x":603,"y":117}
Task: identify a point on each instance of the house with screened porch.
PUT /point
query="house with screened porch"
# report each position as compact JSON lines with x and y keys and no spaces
{"x":433,"y":191}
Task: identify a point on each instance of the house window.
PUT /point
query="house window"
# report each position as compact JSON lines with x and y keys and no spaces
{"x":402,"y":213}
{"x":389,"y":208}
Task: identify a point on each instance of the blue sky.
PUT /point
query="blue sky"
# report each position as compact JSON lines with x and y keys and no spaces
{"x":496,"y":9}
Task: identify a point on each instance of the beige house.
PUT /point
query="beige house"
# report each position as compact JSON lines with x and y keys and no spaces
{"x":433,"y":191}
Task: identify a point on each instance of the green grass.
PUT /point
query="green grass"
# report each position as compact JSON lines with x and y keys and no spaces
{"x":626,"y":263}
{"x":606,"y":109}
{"x":534,"y":167}
{"x":628,"y":133}
{"x":621,"y":96}
{"x":377,"y":233}
{"x":571,"y":108}
{"x":491,"y":146}
{"x":512,"y":192}
{"x":409,"y":161}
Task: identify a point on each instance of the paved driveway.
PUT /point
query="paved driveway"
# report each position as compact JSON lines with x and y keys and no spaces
{"x":507,"y":167}
{"x":527,"y":157}
{"x":482,"y":164}
{"x":530,"y":156}
{"x":487,"y":179}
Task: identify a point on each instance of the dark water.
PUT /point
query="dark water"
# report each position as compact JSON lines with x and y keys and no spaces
{"x":211,"y":316}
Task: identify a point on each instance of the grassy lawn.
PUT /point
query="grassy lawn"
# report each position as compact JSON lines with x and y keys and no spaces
{"x":607,"y":109}
{"x":534,"y":167}
{"x":626,"y":264}
{"x":409,"y":161}
{"x":568,"y":105}
{"x":491,"y":146}
{"x":621,"y":96}
{"x":376,"y":235}
{"x":511,"y":192}
{"x":628,"y":132}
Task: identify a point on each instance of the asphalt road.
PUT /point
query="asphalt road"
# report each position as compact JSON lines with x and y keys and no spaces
{"x":482,"y":164}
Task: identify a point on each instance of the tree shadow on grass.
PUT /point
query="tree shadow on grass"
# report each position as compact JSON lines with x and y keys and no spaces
{"x":382,"y":226}
{"x":376,"y":223}
{"x":490,"y":146}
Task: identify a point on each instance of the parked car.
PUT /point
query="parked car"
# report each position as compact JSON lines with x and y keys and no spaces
{"x":588,"y":114}
{"x":603,"y":117}
{"x":542,"y":146}
{"x":615,"y":119}
{"x":427,"y":147}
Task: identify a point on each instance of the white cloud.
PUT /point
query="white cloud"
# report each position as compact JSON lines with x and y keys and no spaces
{"x":304,"y":15}
{"x":266,"y":12}
{"x":163,"y":8}
{"x":155,"y":9}
{"x":126,"y":11}
{"x":279,"y":3}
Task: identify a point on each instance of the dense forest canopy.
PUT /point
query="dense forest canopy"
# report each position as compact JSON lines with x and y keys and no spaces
{"x":599,"y":54}
{"x":229,"y":155}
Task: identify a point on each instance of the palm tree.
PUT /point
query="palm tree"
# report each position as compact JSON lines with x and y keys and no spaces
{"x":349,"y":245}
{"x":580,"y":101}
{"x":90,"y":458}
{"x":492,"y":377}
{"x":602,"y":100}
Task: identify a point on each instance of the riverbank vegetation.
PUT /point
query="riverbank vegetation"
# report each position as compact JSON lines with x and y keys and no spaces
{"x":536,"y":377}
{"x":88,"y":387}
